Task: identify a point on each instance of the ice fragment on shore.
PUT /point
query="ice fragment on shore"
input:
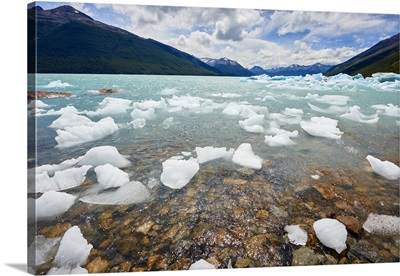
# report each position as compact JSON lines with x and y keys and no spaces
{"x":130,"y":193}
{"x":355,"y":115}
{"x":201,"y":264}
{"x":253,"y":124}
{"x":62,"y":180}
{"x":278,"y":140}
{"x":138,"y":123}
{"x":42,"y":250}
{"x":102,"y":155}
{"x":52,"y":204}
{"x":296,"y":234}
{"x":210,"y":153}
{"x":331,"y":233}
{"x":177,"y":173}
{"x":244,"y":156}
{"x":386,"y":169}
{"x":76,"y":135}
{"x":167,"y":123}
{"x":274,"y":129}
{"x":109,"y":176}
{"x":382,"y":224}
{"x":111,"y":106}
{"x":72,"y":253}
{"x":322,"y":127}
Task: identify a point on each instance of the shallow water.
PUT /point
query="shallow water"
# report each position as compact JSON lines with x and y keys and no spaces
{"x":226,"y":212}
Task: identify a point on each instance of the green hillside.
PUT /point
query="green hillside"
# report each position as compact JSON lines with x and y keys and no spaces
{"x":75,"y":43}
{"x":382,"y":57}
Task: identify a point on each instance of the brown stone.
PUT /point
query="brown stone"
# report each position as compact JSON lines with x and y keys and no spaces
{"x":262,"y":214}
{"x":145,"y":227}
{"x":105,"y":224}
{"x":56,"y":230}
{"x":157,"y":262}
{"x":125,"y":266}
{"x":108,"y":91}
{"x":106,"y":243}
{"x":351,"y":223}
{"x":98,"y":265}
{"x":234,"y":181}
{"x":32,"y":95}
{"x":213,"y":261}
{"x":242,"y":263}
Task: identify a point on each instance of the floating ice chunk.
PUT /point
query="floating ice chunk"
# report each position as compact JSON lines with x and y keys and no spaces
{"x":268,"y":98}
{"x":296,"y":234}
{"x":333,"y":109}
{"x":329,"y":99}
{"x":186,"y":153}
{"x":278,"y":140}
{"x":167,"y":123}
{"x":51,"y":169}
{"x":72,"y":253}
{"x":42,"y":250}
{"x":62,"y":180}
{"x":37,"y":104}
{"x":57,"y":83}
{"x":382,"y":224}
{"x":384,"y":168}
{"x":210,"y":153}
{"x":331,"y":233}
{"x":147,"y":114}
{"x":177,"y":173}
{"x":138,"y":123}
{"x":109,"y":176}
{"x":283,"y":119}
{"x":104,"y":155}
{"x":52,"y":204}
{"x":145,"y":105}
{"x":355,"y":115}
{"x":293,"y":111}
{"x":247,"y":112}
{"x":274,"y":130}
{"x":111,"y":105}
{"x":244,"y":110}
{"x":253,"y":124}
{"x":76,"y":135}
{"x":389,"y":110}
{"x":322,"y":127}
{"x":67,"y":109}
{"x":168,"y":91}
{"x":315,"y":176}
{"x":244,"y":156}
{"x":71,"y":119}
{"x":130,"y":193}
{"x":227,"y":95}
{"x":201,"y":264}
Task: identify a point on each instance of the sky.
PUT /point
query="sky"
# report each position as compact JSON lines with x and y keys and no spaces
{"x":262,"y":37}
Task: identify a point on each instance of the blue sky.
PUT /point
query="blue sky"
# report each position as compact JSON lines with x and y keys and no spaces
{"x":263,"y":37}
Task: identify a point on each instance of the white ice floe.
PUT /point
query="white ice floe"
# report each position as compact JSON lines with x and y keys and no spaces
{"x":211,"y":153}
{"x":322,"y":127}
{"x":72,"y":253}
{"x":104,"y":155}
{"x":355,"y":115}
{"x":57,"y":84}
{"x":67,"y":109}
{"x":244,"y":156}
{"x":147,"y":104}
{"x":283,"y":119}
{"x":268,"y":98}
{"x":253,"y":124}
{"x":177,"y":173}
{"x":386,"y":169}
{"x":389,"y":109}
{"x":382,"y":224}
{"x":52,"y":204}
{"x":244,"y":110}
{"x":328,"y":99}
{"x":201,"y":264}
{"x":274,"y":129}
{"x":42,"y":250}
{"x":109,"y":176}
{"x":143,"y":114}
{"x":333,"y":109}
{"x":315,"y":176}
{"x":296,"y":234}
{"x":76,"y":135}
{"x":133,"y":192}
{"x":111,"y":106}
{"x":70,"y":120}
{"x":331,"y":233}
{"x":51,"y":169}
{"x":168,"y":91}
{"x":278,"y":140}
{"x":167,"y":123}
{"x":37,"y":104}
{"x":293,"y":111}
{"x":62,"y":180}
{"x":226,"y":95}
{"x":138,"y":123}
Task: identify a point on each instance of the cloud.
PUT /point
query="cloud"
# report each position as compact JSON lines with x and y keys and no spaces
{"x":83,"y":8}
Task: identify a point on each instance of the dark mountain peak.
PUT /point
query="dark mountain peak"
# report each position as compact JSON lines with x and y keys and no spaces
{"x":37,"y":8}
{"x":227,"y":66}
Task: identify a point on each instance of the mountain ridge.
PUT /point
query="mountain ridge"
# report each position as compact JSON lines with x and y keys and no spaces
{"x":227,"y":66}
{"x":292,"y":70}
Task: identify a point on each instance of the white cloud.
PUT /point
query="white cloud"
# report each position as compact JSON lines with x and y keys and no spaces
{"x":82,"y":8}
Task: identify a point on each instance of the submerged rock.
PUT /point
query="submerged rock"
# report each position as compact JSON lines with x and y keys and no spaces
{"x":306,"y":256}
{"x":32,"y":95}
{"x":108,"y":91}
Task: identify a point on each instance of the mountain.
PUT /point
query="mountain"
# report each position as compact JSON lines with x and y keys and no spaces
{"x":292,"y":70}
{"x":382,"y":57}
{"x":227,"y":66}
{"x":66,"y":40}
